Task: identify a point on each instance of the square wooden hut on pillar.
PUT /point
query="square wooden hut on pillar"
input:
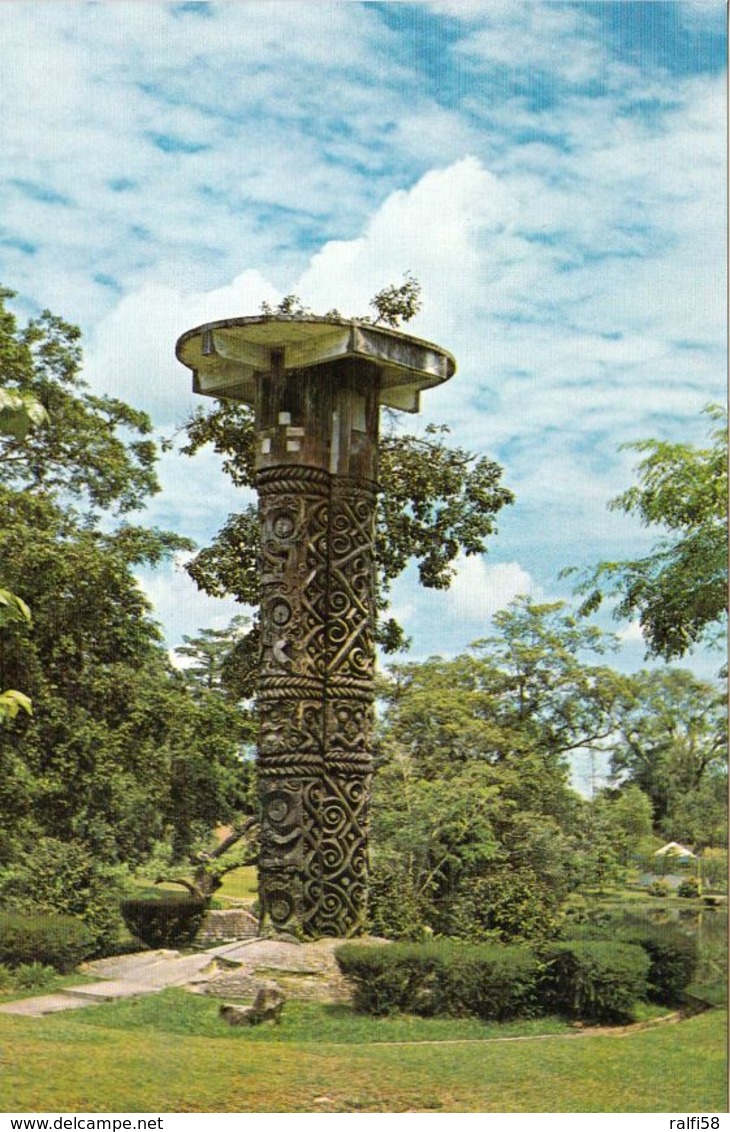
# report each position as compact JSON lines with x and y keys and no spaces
{"x":316,"y":386}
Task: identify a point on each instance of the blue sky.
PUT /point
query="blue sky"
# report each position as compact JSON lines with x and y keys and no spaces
{"x":553,"y":173}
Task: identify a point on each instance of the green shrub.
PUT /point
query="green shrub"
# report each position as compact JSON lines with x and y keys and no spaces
{"x":672,"y":952}
{"x":494,"y":982}
{"x":690,"y":888}
{"x":658,"y":888}
{"x":64,"y":878}
{"x":60,"y":941}
{"x":388,"y":977}
{"x":715,"y":869}
{"x":490,"y":981}
{"x":595,"y":980}
{"x":29,"y":976}
{"x":575,"y":908}
{"x":509,"y":905}
{"x":395,"y":909}
{"x":168,"y":919}
{"x":672,"y":960}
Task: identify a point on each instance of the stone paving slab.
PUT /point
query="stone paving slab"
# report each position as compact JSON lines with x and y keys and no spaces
{"x":120,"y":966}
{"x":306,"y":972}
{"x":276,"y":954}
{"x":144,"y":973}
{"x":109,"y":991}
{"x":152,"y":970}
{"x":44,"y":1004}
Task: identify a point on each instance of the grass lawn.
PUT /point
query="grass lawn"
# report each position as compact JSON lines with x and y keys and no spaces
{"x":53,"y":985}
{"x":240,"y":884}
{"x":170,"y":1053}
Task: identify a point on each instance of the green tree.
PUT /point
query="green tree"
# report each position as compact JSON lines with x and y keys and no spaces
{"x":631,"y":814}
{"x":671,"y":740}
{"x":435,"y":500}
{"x":209,"y":662}
{"x":679,"y":590}
{"x":522,"y":699}
{"x":211,"y":674}
{"x":700,"y":818}
{"x":118,"y":754}
{"x":474,"y":819}
{"x":429,"y":835}
{"x":94,"y":450}
{"x":615,"y":825}
{"x":19,"y":412}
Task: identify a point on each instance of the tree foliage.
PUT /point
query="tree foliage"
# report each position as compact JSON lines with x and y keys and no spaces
{"x":396,"y":304}
{"x":117,"y":750}
{"x":474,"y":819}
{"x":671,"y":742}
{"x":207,"y":664}
{"x":679,"y":590}
{"x":118,"y":753}
{"x":13,"y":609}
{"x":393,"y":305}
{"x":19,"y":412}
{"x":477,"y":832}
{"x":95,"y":449}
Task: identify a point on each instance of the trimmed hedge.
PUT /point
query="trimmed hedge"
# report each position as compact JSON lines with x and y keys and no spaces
{"x":673,"y":959}
{"x":595,"y":980}
{"x":169,"y":919}
{"x":390,"y":977}
{"x":589,"y":978}
{"x":673,"y":953}
{"x":491,"y":981}
{"x":55,"y":940}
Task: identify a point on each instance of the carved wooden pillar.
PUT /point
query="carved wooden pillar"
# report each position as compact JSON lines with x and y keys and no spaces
{"x":316,"y":482}
{"x":294,"y":508}
{"x":316,"y":386}
{"x":348,"y":720}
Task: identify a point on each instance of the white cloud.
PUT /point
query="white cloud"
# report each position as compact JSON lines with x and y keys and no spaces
{"x":561,"y":202}
{"x":558,"y":399}
{"x":445,"y":622}
{"x":541,"y":31}
{"x":133,"y":347}
{"x":480,"y":590}
{"x":179,"y":605}
{"x":434,"y":229}
{"x":141,"y":143}
{"x":631,"y":634}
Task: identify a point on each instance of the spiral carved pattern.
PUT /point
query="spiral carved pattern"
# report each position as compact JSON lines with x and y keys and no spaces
{"x":315,"y":699}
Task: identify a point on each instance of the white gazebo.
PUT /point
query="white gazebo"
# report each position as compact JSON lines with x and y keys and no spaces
{"x":674,"y":849}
